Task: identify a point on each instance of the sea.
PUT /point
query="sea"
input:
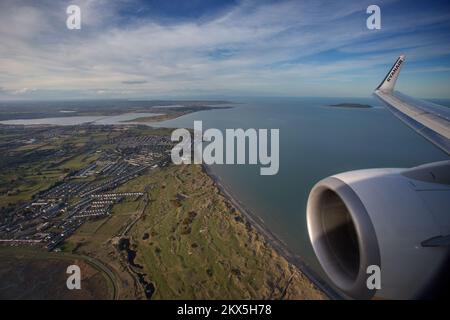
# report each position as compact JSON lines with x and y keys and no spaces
{"x":316,"y":140}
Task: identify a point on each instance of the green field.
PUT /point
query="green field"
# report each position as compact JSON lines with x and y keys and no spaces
{"x":24,"y":171}
{"x":191,"y":244}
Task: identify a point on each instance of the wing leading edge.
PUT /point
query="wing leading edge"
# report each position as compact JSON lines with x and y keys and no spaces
{"x":429,"y":120}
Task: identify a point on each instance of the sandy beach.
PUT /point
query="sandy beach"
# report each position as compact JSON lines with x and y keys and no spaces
{"x":277,"y":244}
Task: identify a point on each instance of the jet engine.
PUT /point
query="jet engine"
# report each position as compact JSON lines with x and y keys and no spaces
{"x":396,"y":219}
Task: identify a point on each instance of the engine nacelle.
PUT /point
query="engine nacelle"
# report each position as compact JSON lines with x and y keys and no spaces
{"x":397,"y":219}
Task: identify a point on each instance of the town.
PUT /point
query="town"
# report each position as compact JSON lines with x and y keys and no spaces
{"x":55,"y":213}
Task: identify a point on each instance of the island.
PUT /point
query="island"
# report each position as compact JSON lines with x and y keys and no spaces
{"x":350,"y":105}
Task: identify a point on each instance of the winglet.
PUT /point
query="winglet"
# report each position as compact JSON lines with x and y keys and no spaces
{"x":388,"y":83}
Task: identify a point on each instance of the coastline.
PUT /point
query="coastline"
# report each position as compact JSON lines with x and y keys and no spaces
{"x":277,"y":244}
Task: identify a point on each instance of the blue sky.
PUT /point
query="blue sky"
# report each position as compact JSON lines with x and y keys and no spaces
{"x":134,"y":49}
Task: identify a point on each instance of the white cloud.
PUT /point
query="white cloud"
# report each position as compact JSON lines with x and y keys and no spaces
{"x":251,"y":48}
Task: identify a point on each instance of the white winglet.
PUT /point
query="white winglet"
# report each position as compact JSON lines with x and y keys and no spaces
{"x":427,"y":119}
{"x":388,"y":83}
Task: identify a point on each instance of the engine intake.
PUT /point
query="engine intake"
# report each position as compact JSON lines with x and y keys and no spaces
{"x":342,"y":235}
{"x":382,"y":217}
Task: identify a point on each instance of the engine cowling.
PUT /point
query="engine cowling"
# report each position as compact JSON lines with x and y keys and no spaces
{"x":397,"y":219}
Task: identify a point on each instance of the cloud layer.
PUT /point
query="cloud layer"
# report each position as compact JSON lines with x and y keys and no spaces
{"x":294,"y":48}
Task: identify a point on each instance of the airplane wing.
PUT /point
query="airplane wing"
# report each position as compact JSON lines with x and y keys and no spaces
{"x":430,"y":120}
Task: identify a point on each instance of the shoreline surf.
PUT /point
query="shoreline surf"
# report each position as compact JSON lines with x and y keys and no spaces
{"x":273,"y":240}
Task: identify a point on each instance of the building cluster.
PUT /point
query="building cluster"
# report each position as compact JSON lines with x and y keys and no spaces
{"x":88,"y":193}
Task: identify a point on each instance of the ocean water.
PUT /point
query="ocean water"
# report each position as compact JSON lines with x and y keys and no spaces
{"x":316,"y":141}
